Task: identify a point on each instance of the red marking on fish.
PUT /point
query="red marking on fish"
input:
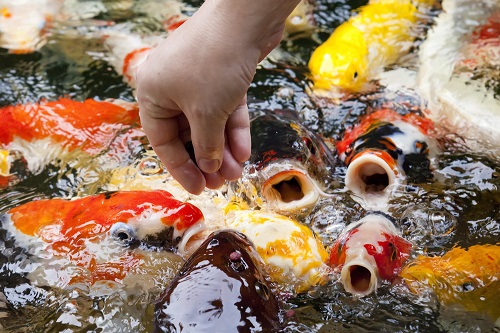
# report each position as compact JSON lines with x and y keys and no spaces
{"x":424,"y":125}
{"x":130,"y":59}
{"x":390,"y":251}
{"x":173,"y":23}
{"x":66,"y":226}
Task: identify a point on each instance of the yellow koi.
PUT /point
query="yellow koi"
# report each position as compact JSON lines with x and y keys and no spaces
{"x":362,"y":46}
{"x":468,"y":277}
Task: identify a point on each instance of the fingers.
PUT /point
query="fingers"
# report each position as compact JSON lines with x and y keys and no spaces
{"x":163,"y":136}
{"x":238,"y":133}
{"x":207,"y":135}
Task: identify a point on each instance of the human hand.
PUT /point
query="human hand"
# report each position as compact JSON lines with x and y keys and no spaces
{"x":192,"y":87}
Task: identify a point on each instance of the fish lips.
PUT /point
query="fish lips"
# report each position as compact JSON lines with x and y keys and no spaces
{"x":220,"y":286}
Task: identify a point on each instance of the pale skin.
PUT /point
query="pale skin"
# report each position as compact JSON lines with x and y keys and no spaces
{"x":192,"y":87}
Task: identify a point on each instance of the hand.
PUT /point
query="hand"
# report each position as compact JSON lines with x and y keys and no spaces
{"x":192,"y":87}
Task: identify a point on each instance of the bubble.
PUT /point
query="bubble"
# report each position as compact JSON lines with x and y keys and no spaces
{"x":150,"y":166}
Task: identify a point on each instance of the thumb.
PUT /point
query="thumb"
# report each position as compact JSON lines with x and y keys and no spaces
{"x":207,"y":135}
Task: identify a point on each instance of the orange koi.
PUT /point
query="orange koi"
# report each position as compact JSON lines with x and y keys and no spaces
{"x":97,"y":233}
{"x":469,"y":277}
{"x":64,"y":125}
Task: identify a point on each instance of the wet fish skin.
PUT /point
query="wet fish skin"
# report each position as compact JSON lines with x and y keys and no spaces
{"x":469,"y":277}
{"x":220,"y":287}
{"x":71,"y":231}
{"x":369,"y":251}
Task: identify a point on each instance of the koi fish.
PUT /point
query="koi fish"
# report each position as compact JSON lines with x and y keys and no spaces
{"x":363,"y":46}
{"x":46,"y":130}
{"x":289,"y":167}
{"x":220,"y":287}
{"x":293,"y":256}
{"x":300,"y":22}
{"x":469,"y":277}
{"x":459,"y":73}
{"x":99,"y":238}
{"x":382,"y":150}
{"x":367,"y":252}
{"x":23,"y":23}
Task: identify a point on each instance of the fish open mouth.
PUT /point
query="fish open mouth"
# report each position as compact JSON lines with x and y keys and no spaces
{"x":290,"y":190}
{"x":359,"y":275}
{"x":371,"y":177}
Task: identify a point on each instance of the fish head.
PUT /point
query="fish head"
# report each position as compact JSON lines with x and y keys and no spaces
{"x":98,"y":234}
{"x":294,"y":257}
{"x":300,"y":22}
{"x":367,"y":252}
{"x":220,"y":285}
{"x":290,"y":165}
{"x":341,"y":62}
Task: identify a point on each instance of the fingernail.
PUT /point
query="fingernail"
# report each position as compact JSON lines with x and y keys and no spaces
{"x":208,"y":166}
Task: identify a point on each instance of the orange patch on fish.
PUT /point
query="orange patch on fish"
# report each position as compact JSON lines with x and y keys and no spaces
{"x":424,"y":125}
{"x":88,"y":124}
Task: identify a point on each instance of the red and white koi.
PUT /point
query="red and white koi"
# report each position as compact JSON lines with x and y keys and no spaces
{"x":100,"y":238}
{"x":381,"y":149}
{"x":459,"y":70}
{"x":367,"y":252}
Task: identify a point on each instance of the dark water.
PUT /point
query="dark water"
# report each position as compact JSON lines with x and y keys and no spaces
{"x":459,"y":206}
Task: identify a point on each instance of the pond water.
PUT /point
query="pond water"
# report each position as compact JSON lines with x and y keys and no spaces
{"x":458,"y":206}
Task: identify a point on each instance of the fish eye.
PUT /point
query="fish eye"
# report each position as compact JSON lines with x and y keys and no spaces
{"x":467,"y":286}
{"x":123,"y":233}
{"x":262,"y":290}
{"x":355,"y":75}
{"x":394,"y":253}
{"x":310,"y":145}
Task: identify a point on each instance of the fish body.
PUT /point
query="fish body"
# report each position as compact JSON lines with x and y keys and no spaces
{"x":23,"y":23}
{"x":290,"y":166}
{"x":93,"y":239}
{"x":367,"y":252}
{"x":294,"y":257}
{"x":459,"y":70}
{"x":221,"y":287}
{"x":376,"y":37}
{"x":385,"y":149}
{"x":44,"y":131}
{"x":468,"y":277}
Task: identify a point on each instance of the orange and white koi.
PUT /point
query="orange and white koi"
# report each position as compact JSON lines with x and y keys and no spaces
{"x":360,"y":48}
{"x":100,"y":238}
{"x":23,"y":23}
{"x":468,"y":277}
{"x":382,"y":150}
{"x":43,"y":131}
{"x":367,"y":252}
{"x":294,"y":257}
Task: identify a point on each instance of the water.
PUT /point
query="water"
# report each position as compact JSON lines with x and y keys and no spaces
{"x":460,"y":205}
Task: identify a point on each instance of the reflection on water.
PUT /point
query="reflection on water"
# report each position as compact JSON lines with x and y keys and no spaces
{"x":459,"y":206}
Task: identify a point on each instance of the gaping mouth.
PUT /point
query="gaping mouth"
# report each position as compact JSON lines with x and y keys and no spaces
{"x":371,"y":177}
{"x":290,"y":190}
{"x":359,"y":276}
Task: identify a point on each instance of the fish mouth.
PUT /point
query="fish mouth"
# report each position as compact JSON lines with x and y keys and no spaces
{"x":192,"y":238}
{"x":290,"y":190}
{"x":372,"y":175}
{"x":359,"y":275}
